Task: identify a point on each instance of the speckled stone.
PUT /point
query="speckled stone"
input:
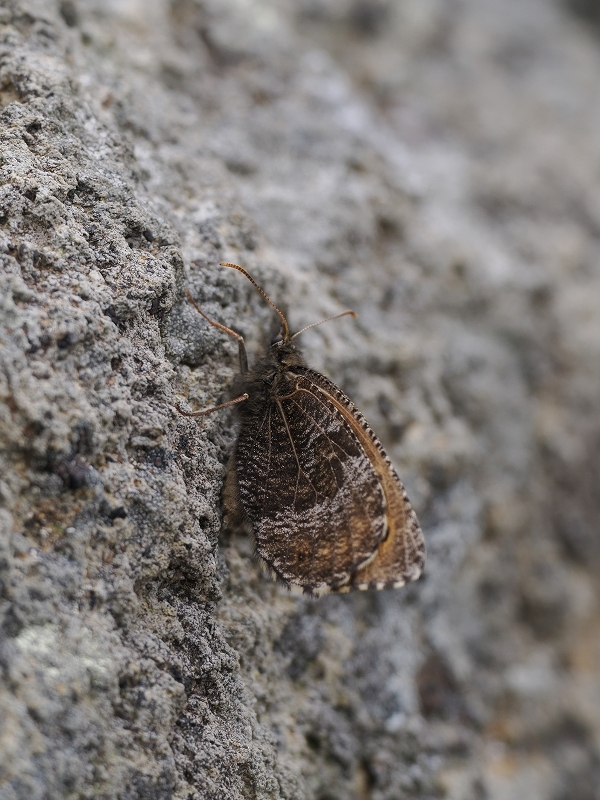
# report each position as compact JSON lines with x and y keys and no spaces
{"x":432,"y":165}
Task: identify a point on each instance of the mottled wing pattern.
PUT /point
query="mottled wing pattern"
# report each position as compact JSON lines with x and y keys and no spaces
{"x":401,"y":555}
{"x":319,"y":511}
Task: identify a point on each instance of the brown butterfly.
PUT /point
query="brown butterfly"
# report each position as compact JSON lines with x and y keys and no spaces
{"x":325,"y":505}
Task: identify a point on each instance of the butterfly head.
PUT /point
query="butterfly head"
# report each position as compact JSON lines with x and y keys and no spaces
{"x":286,"y":354}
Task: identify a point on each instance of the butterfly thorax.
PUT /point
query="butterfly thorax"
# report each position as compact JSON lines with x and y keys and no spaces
{"x":270,"y":377}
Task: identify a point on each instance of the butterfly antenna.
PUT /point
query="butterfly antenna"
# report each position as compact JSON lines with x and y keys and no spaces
{"x":286,"y":330}
{"x":328,"y":319}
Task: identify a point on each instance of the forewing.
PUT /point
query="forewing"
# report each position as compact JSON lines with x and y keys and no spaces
{"x":309,"y":488}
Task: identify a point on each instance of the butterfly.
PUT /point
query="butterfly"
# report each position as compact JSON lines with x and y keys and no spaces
{"x":326,"y":507}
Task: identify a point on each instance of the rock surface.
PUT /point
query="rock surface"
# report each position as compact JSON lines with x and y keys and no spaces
{"x":433,"y":165}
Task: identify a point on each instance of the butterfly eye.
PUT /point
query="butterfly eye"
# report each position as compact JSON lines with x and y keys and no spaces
{"x":278,"y":339}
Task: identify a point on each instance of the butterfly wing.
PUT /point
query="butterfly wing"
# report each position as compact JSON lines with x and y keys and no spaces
{"x":330,"y":513}
{"x":400,"y":556}
{"x":318,"y":511}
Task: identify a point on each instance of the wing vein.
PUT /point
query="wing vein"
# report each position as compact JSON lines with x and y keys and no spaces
{"x":300,"y":470}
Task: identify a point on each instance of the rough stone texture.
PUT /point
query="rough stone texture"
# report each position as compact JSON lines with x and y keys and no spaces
{"x":433,"y":164}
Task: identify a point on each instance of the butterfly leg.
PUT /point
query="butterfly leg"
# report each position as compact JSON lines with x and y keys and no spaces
{"x":238,"y":336}
{"x":206,"y":411}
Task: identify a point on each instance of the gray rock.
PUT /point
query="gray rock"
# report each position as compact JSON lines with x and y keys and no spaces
{"x":431,"y":165}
